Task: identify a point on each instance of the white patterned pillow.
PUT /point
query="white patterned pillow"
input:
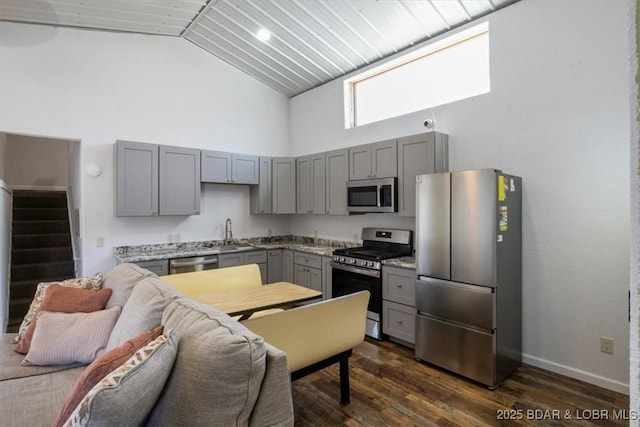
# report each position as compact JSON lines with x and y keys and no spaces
{"x":92,"y":283}
{"x":126,"y":396}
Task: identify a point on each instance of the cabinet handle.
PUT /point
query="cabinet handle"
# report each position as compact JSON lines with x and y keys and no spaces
{"x":399,"y":322}
{"x":399,"y":285}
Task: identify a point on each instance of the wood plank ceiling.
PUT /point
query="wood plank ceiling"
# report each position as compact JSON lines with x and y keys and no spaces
{"x":312,"y":41}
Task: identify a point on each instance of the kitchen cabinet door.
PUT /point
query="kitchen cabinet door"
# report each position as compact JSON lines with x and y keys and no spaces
{"x":260,"y":195}
{"x":360,"y":162}
{"x":287,"y":266}
{"x":284,"y":185}
{"x":216,"y":166}
{"x":310,"y":184}
{"x":308,"y":277}
{"x":274,"y":265}
{"x":336,"y":177}
{"x":399,"y":285}
{"x":244,"y":169}
{"x":179,"y":181}
{"x":384,"y":159}
{"x":419,"y":154}
{"x":157,"y":266}
{"x":136,"y":179}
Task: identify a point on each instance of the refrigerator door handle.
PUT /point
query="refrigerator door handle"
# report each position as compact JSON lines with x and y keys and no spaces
{"x":474,"y":288}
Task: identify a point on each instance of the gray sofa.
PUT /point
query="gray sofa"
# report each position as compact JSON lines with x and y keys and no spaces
{"x":223,"y":374}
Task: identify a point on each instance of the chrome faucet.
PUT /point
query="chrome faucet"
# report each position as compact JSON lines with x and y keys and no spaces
{"x":228,"y":234}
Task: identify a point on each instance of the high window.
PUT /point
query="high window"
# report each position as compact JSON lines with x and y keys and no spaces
{"x":454,"y":68}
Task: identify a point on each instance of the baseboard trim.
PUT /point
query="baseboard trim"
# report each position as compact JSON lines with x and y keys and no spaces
{"x":578,"y":374}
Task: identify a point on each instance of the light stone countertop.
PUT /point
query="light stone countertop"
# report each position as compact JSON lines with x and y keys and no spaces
{"x":212,"y":247}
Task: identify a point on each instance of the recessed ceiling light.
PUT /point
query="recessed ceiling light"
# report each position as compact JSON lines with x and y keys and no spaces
{"x":263,"y":34}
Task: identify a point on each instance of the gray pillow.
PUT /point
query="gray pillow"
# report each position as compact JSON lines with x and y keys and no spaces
{"x":121,"y":280}
{"x":142,"y":311}
{"x":218,"y":371}
{"x":126,"y":395}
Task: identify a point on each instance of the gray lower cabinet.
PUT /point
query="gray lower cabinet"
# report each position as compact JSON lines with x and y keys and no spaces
{"x":158,"y":266}
{"x":326,"y":277}
{"x":399,"y":303}
{"x":419,"y":154}
{"x":241,"y":258}
{"x":283,"y":188}
{"x":156,"y":180}
{"x":310,"y":184}
{"x":229,"y":168}
{"x":260,"y":195}
{"x":308,"y":270}
{"x":336,"y":176}
{"x":287,"y":266}
{"x":275,"y":265}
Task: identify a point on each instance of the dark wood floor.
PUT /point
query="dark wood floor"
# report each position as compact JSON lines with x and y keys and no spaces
{"x":390,"y":388}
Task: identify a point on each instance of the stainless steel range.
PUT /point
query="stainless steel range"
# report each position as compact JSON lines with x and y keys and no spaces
{"x":360,"y":268}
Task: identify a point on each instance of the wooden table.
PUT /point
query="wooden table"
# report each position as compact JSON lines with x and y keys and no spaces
{"x":245,"y":302}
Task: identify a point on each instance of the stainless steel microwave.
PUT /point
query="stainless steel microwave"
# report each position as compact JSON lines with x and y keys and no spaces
{"x":372,"y":195}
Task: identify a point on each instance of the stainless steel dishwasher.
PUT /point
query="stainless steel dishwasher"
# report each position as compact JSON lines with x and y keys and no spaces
{"x":198,"y":263}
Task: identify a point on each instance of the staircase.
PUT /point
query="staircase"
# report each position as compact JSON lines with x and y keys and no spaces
{"x":40,"y":247}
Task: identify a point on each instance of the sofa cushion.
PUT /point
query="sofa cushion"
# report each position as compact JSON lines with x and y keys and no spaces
{"x":218,"y":371}
{"x":64,"y":299}
{"x":142,"y":311}
{"x":103,"y":365}
{"x":62,"y":338}
{"x":121,"y":280}
{"x":35,"y":400}
{"x":126,"y":395}
{"x":91,"y":283}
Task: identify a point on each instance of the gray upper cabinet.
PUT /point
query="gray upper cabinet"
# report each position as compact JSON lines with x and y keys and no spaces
{"x":156,"y":180}
{"x":260,"y":195}
{"x":310,"y":175}
{"x":336,"y":176}
{"x":419,"y":154}
{"x":283,"y":185}
{"x":179,"y":186}
{"x":378,"y":160}
{"x":136,"y":179}
{"x":229,"y":168}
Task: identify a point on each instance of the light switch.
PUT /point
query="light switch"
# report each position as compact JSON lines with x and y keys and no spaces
{"x":100,"y":242}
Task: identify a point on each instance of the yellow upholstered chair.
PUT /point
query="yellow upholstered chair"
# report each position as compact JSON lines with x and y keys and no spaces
{"x":217,"y":280}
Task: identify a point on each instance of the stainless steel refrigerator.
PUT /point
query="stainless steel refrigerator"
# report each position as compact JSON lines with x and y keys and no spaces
{"x":5,"y":253}
{"x":469,"y":266}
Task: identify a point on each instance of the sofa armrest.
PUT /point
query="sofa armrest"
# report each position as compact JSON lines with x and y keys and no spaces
{"x":315,"y":332}
{"x":216,"y":280}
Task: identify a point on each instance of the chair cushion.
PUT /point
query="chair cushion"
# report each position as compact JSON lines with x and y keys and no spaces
{"x":218,"y":372}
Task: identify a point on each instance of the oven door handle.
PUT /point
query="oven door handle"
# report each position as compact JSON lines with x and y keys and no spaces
{"x":357,"y":270}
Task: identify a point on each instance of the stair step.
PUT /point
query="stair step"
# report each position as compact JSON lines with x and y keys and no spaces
{"x":38,"y":214}
{"x":40,"y":227}
{"x":37,"y":199}
{"x":14,"y":324}
{"x":18,"y":307}
{"x":27,"y":288}
{"x":41,"y":255}
{"x":40,"y":240}
{"x":50,"y":269}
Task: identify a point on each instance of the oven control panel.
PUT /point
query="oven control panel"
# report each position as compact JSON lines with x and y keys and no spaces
{"x":374,"y":265}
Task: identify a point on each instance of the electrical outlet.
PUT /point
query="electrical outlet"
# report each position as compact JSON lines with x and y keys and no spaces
{"x":269,"y":233}
{"x":100,"y":242}
{"x":176,"y":238}
{"x":169,"y":238}
{"x":315,"y":236}
{"x":355,"y":238}
{"x":606,"y":345}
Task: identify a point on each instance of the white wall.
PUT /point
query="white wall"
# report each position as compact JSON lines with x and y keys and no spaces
{"x":98,"y":87}
{"x":557,"y":115}
{"x":37,"y":162}
{"x":3,"y":157}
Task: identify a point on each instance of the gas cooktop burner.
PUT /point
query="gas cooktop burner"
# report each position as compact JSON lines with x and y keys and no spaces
{"x":377,"y":245}
{"x":374,"y":254}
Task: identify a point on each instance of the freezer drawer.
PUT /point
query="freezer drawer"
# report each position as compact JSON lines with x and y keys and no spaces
{"x":458,"y":302}
{"x":468,"y":352}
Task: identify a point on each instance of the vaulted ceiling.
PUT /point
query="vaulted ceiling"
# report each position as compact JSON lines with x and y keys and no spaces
{"x":311,"y":43}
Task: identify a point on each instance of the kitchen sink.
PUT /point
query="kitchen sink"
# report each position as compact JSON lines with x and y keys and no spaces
{"x":234,"y":248}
